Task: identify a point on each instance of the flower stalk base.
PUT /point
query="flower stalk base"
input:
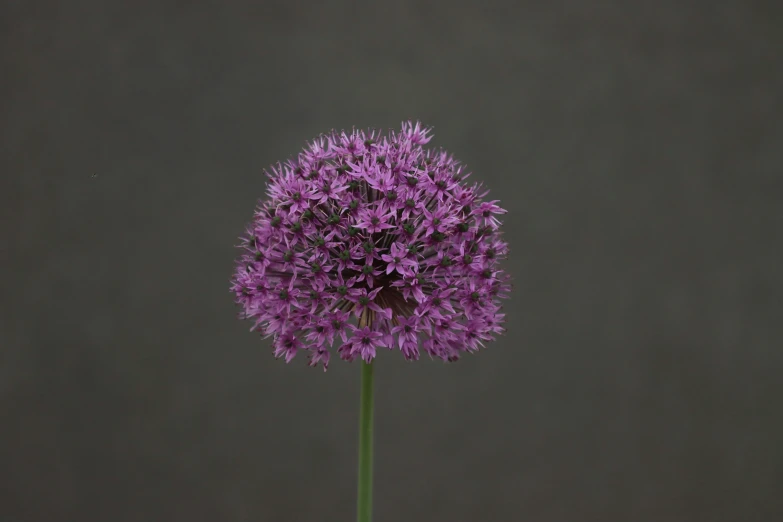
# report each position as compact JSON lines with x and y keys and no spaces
{"x":364,"y":501}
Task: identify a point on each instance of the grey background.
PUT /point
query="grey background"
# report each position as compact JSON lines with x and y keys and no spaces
{"x":637,"y":147}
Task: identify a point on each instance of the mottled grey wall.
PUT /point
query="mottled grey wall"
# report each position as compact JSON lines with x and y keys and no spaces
{"x":638,"y":147}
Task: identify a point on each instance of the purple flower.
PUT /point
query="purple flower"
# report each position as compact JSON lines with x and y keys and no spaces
{"x":326,"y":189}
{"x":364,"y":342}
{"x":382,"y":183}
{"x":369,"y":273}
{"x":410,"y":287}
{"x":407,"y":329}
{"x":398,"y":260}
{"x":375,"y":219}
{"x":338,"y":325}
{"x":285,"y":296}
{"x":369,"y":240}
{"x":365,"y":301}
{"x":287,"y":345}
{"x":485,"y":212}
{"x":437,"y":221}
{"x":319,"y":332}
{"x":319,"y":355}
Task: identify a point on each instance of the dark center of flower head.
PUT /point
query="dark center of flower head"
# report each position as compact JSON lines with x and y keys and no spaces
{"x":315,"y":267}
{"x":352,"y":231}
{"x":420,"y":278}
{"x":296,"y":226}
{"x":283,"y":294}
{"x":490,"y":253}
{"x":412,"y":181}
{"x":368,"y":142}
{"x":313,"y":295}
{"x":342,"y":290}
{"x":353,"y":184}
{"x":413,"y":249}
{"x":410,"y":203}
{"x":287,"y":256}
{"x":318,"y":241}
{"x":407,"y":328}
{"x":396,"y":259}
{"x":345,"y":255}
{"x":365,"y":340}
{"x":368,"y":246}
{"x":336,"y":324}
{"x":375,"y":220}
{"x":409,"y":228}
{"x":391,"y":195}
{"x":445,"y":262}
{"x":367,"y":269}
{"x":436,"y":221}
{"x":319,"y":329}
{"x":381,"y":159}
{"x":312,"y":174}
{"x":353,"y":205}
{"x":364,"y":300}
{"x":245,"y":291}
{"x":296,"y":196}
{"x":436,"y":301}
{"x":467,"y":259}
{"x":252,"y":241}
{"x":307,"y":214}
{"x":298,"y":171}
{"x":275,"y":221}
{"x":487,"y":273}
{"x":289,"y":343}
{"x":333,"y":219}
{"x":475,"y":296}
{"x":440,"y":184}
{"x":463,"y":227}
{"x":326,"y":187}
{"x":259,"y":256}
{"x":438,"y":236}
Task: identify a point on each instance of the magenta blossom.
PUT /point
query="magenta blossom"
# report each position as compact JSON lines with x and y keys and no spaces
{"x":375,"y":219}
{"x":364,"y":342}
{"x":398,"y":260}
{"x":369,"y":241}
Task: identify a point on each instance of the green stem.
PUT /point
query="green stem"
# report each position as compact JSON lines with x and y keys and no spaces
{"x":364,"y":502}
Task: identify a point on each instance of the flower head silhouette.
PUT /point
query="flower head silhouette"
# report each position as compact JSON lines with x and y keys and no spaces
{"x":370,"y":241}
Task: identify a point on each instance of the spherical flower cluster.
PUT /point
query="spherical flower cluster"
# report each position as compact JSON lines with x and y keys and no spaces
{"x":370,"y":241}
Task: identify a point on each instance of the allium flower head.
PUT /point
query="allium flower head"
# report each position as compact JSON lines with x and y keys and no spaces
{"x":369,"y":241}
